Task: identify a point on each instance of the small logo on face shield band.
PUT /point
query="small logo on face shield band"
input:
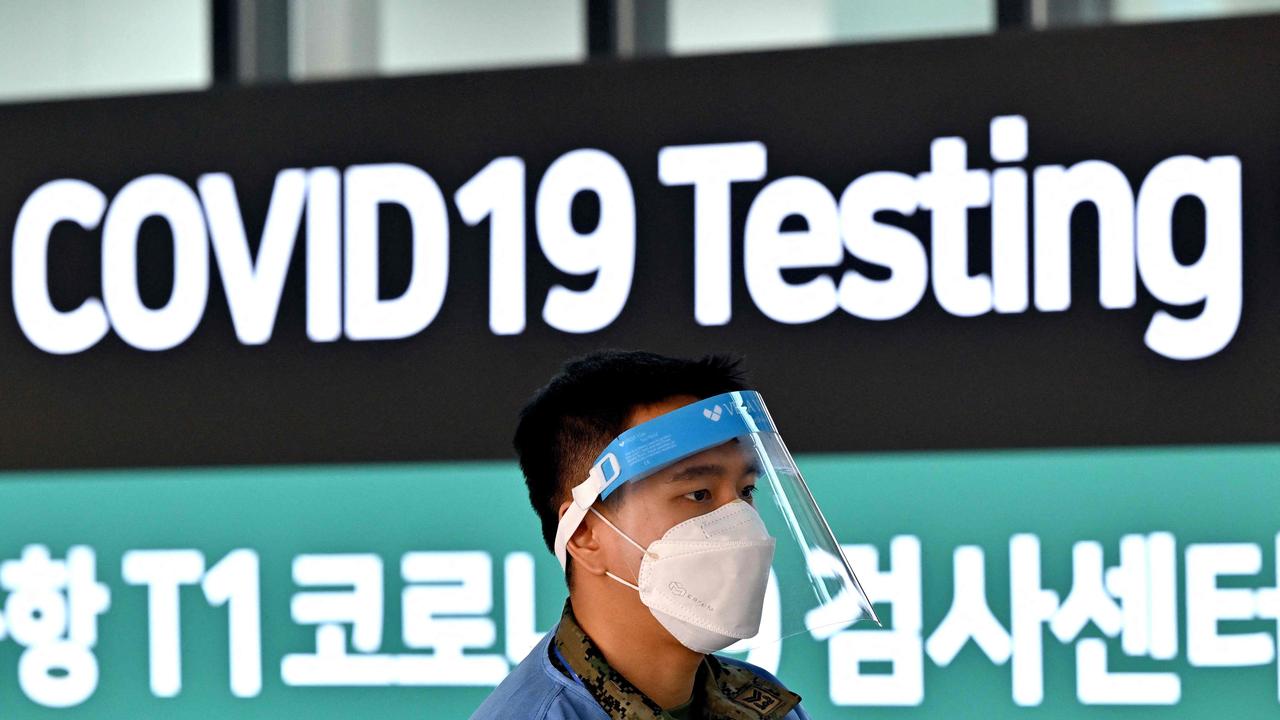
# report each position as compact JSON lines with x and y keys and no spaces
{"x":713,"y":414}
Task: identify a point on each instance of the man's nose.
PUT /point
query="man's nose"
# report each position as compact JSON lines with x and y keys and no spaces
{"x":725,"y":494}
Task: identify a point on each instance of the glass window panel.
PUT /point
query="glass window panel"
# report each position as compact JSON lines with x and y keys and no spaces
{"x":1155,"y":10}
{"x":703,"y":26}
{"x":63,"y":48}
{"x":416,"y":36}
{"x":360,"y":38}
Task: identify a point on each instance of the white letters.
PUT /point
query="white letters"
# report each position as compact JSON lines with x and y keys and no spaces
{"x":1030,"y":606}
{"x":769,"y":250}
{"x":324,"y":250}
{"x":1207,"y":604}
{"x":253,"y":288}
{"x":369,"y":317}
{"x":163,"y":572}
{"x":518,"y":601}
{"x":140,"y":326}
{"x":901,"y":645}
{"x":497,"y":192}
{"x":949,"y":189}
{"x":1215,"y":278}
{"x":874,"y":242}
{"x":1009,"y":215}
{"x":609,"y":250}
{"x":445,"y":610}
{"x":234,"y":582}
{"x":1058,"y":192}
{"x":48,"y":328}
{"x":710,"y":169}
{"x":794,"y":276}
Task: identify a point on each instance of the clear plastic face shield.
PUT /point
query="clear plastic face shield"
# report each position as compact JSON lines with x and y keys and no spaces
{"x":722,"y":538}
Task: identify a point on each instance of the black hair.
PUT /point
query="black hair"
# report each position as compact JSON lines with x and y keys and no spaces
{"x":571,"y":420}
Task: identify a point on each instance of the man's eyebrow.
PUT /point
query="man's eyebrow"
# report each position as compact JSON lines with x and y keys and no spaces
{"x":708,"y":470}
{"x":697,"y":471}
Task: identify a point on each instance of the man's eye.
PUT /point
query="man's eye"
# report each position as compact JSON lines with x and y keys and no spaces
{"x":749,"y":492}
{"x":699,"y":495}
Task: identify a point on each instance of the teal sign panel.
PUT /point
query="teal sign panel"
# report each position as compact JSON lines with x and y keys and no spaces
{"x":1049,"y":584}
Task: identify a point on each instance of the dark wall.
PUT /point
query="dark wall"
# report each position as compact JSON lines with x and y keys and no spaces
{"x":1130,"y":96}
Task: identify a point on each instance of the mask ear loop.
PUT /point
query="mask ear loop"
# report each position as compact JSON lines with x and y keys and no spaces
{"x":626,"y":537}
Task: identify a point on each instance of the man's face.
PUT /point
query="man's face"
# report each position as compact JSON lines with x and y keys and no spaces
{"x":646,"y":509}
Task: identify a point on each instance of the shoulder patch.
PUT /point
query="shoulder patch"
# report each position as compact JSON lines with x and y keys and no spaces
{"x":757,"y":697}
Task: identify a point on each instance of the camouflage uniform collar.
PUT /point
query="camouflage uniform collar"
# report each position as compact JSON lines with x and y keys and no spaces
{"x":727,"y":692}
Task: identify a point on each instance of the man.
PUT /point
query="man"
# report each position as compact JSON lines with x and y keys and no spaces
{"x":666,"y":557}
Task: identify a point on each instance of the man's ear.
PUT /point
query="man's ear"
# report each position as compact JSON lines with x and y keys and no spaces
{"x":584,"y":546}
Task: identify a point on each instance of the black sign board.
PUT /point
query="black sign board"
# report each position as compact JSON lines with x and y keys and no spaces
{"x":1048,"y":239}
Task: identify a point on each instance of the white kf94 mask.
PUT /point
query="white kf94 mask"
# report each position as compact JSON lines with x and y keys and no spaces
{"x":705,"y":578}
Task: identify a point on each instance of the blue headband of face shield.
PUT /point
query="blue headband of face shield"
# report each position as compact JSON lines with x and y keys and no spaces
{"x":680,"y":433}
{"x":654,"y":444}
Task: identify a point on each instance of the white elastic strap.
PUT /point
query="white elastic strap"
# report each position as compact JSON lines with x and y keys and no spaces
{"x":624,"y":582}
{"x":569,"y":522}
{"x":615,"y":529}
{"x":584,"y":496}
{"x":624,"y":537}
{"x":560,"y":546}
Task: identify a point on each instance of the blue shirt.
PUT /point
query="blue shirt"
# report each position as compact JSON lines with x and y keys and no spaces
{"x":537,"y":690}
